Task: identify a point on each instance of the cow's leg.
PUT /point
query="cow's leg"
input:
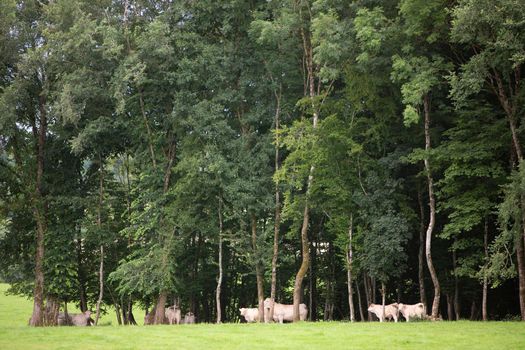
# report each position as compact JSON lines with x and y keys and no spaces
{"x":281,"y":319}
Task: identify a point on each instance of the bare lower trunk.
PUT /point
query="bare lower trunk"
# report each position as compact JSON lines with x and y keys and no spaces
{"x":298,"y":285}
{"x":450,"y":308}
{"x":39,"y":211}
{"x":383,"y":300}
{"x":101,"y":283}
{"x":485,"y":279}
{"x":99,"y":225}
{"x":273,"y":287}
{"x":432,"y":204}
{"x":521,"y":275}
{"x":277,"y":220}
{"x":51,"y":311}
{"x":160,"y":314}
{"x":349,"y":261}
{"x":473,"y":310}
{"x":421,"y":255}
{"x":361,"y":315}
{"x":81,"y":281}
{"x":367,"y":295}
{"x":259,"y":274}
{"x":219,"y":279}
{"x":456,"y":287}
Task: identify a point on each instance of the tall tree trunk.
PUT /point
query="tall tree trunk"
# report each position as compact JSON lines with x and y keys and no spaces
{"x":349,"y":261}
{"x":81,"y":280}
{"x":432,"y":204}
{"x":297,"y":292}
{"x":39,"y":212}
{"x":521,"y":275}
{"x":99,"y":226}
{"x":456,"y":285}
{"x":312,"y":283}
{"x":485,"y":278}
{"x":383,"y":300}
{"x":368,"y":295}
{"x":450,"y":308}
{"x":259,"y":274}
{"x":219,"y":279}
{"x":277,"y":220}
{"x":361,"y":315}
{"x":510,"y":108}
{"x":421,"y":255}
{"x":160,"y":308}
{"x":101,"y":283}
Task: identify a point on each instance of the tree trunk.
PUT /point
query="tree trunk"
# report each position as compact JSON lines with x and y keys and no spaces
{"x":219,"y":280}
{"x":277,"y":220}
{"x":361,"y":315}
{"x":473,"y":310}
{"x":298,"y":290}
{"x":51,"y":311}
{"x":101,"y":283}
{"x":160,"y":308}
{"x":349,"y":260}
{"x":421,"y":255}
{"x":456,"y":286}
{"x":99,"y":226}
{"x":521,"y":275}
{"x":432,"y":203}
{"x":39,"y":212}
{"x":383,"y":300}
{"x":259,"y":274}
{"x":450,"y":308}
{"x":510,"y":111}
{"x":367,"y":295}
{"x":81,"y":281}
{"x":312,"y":282}
{"x":485,"y":278}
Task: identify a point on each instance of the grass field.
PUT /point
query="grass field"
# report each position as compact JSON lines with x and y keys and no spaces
{"x":15,"y":334}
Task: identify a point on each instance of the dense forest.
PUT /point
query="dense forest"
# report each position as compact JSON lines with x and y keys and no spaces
{"x":214,"y":153}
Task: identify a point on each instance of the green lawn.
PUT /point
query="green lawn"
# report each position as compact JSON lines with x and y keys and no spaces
{"x":15,"y":334}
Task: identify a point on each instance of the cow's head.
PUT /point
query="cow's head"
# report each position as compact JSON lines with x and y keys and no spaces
{"x":242,"y":310}
{"x":371,"y":307}
{"x":267,"y":303}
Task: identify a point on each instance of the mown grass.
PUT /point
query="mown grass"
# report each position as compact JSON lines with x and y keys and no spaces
{"x":15,"y":334}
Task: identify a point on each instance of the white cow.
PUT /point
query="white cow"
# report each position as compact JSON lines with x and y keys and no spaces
{"x":412,"y":311}
{"x":189,"y":318}
{"x":250,"y":314}
{"x":283,"y":312}
{"x":84,"y":319}
{"x":173,"y":315}
{"x":391,"y":311}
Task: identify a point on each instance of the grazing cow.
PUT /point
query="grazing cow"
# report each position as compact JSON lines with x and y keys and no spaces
{"x":82,"y":320}
{"x":189,"y":318}
{"x":173,"y":315}
{"x":391,"y":311}
{"x":283,"y":312}
{"x":250,"y":314}
{"x":412,"y":311}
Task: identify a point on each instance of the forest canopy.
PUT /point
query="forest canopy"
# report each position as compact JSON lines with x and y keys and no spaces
{"x":211,"y":154}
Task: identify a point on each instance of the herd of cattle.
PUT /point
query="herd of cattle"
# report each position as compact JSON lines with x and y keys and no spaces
{"x":284,"y":312}
{"x":281,"y":313}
